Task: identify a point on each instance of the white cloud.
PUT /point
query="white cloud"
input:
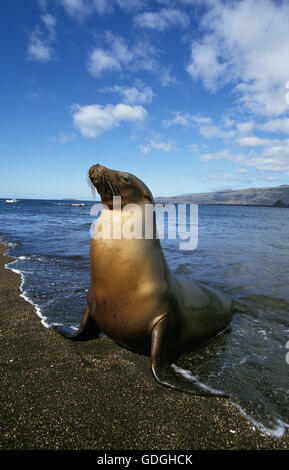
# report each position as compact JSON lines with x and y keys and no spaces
{"x":245,"y":127}
{"x":265,"y":154}
{"x":100,"y":60}
{"x":42,"y":4}
{"x":73,"y":7}
{"x":218,"y":175}
{"x":50,"y":22}
{"x":162,"y":19}
{"x":40,"y":42}
{"x":165,"y":146}
{"x":116,"y":54}
{"x":145,"y":148}
{"x":193,"y":148}
{"x":275,"y":160}
{"x":119,"y":48}
{"x":276,"y":125}
{"x":227,"y":177}
{"x":221,"y":155}
{"x":245,"y":43}
{"x":80,"y":9}
{"x":93,"y":120}
{"x":202,"y":119}
{"x":133,"y":95}
{"x":144,"y":57}
{"x":274,"y":157}
{"x":131,"y":4}
{"x":204,"y":124}
{"x":263,"y":99}
{"x":205,"y":63}
{"x":113,"y":58}
{"x":158,"y":144}
{"x":227,"y":128}
{"x":165,"y":76}
{"x":38,"y":48}
{"x":179,"y":119}
{"x":33,"y":95}
{"x":253,"y":141}
{"x":186,"y":120}
{"x":196,"y":148}
{"x":64,"y":137}
{"x":268,"y":177}
{"x":211,"y":131}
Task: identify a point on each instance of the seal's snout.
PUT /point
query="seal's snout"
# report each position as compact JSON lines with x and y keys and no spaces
{"x":95,"y":172}
{"x":102,"y":179}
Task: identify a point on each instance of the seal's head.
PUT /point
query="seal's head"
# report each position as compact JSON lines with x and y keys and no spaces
{"x":111,"y":183}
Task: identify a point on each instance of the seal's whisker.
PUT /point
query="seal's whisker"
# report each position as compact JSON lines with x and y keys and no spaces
{"x":114,"y":188}
{"x":110,"y":186}
{"x":92,"y":187}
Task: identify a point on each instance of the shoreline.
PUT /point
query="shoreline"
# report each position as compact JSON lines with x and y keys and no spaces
{"x":62,"y":395}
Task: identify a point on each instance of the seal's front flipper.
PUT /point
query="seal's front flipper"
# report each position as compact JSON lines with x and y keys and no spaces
{"x":88,"y":329}
{"x":164,"y":373}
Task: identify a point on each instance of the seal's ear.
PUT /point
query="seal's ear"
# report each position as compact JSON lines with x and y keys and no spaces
{"x":124,"y":178}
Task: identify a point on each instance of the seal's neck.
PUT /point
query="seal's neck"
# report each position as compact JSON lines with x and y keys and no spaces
{"x":134,"y":221}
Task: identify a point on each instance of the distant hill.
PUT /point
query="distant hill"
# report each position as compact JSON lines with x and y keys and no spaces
{"x":251,"y":197}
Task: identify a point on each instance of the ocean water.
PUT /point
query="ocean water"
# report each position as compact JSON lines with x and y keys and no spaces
{"x":242,"y":251}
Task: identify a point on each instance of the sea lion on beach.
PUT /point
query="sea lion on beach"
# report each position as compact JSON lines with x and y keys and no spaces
{"x":134,"y":298}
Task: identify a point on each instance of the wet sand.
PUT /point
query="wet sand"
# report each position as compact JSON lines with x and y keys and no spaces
{"x":62,"y":395}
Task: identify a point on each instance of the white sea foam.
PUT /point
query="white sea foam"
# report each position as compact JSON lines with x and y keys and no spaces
{"x":277,"y":431}
{"x":71,"y":327}
{"x":9,"y":244}
{"x":188,"y":375}
{"x":24,"y":295}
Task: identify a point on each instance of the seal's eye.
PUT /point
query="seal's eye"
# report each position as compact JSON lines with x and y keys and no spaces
{"x":124,"y":178}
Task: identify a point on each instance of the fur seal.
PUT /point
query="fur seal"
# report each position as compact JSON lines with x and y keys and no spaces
{"x":134,"y":298}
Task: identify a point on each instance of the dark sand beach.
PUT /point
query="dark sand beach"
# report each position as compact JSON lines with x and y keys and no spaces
{"x":59,"y":394}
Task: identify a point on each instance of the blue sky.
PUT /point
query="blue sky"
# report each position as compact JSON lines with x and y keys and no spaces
{"x":191,"y":96}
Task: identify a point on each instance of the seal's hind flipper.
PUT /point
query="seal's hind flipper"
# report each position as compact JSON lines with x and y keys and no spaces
{"x":88,"y":329}
{"x":164,"y":373}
